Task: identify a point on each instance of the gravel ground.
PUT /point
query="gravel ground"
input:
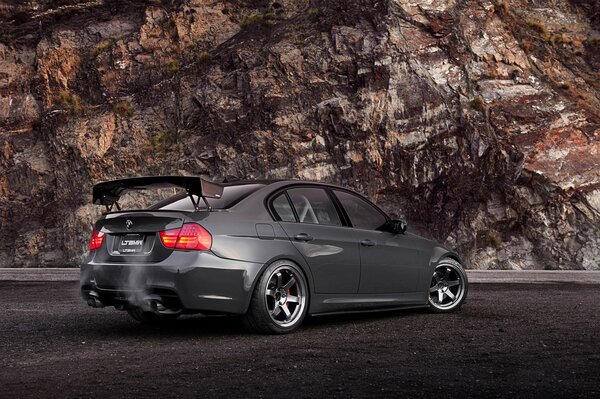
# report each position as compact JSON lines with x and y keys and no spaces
{"x":509,"y":340}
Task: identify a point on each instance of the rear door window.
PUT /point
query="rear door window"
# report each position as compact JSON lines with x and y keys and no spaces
{"x":282,"y":209}
{"x":313,"y":205}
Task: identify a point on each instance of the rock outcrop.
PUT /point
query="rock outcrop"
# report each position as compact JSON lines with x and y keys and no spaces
{"x":478,"y":121}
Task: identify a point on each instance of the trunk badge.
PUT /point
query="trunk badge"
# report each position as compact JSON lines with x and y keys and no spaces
{"x":128,"y":224}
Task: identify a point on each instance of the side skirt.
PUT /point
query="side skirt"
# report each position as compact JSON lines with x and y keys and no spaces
{"x":331,"y":303}
{"x":371,"y":310}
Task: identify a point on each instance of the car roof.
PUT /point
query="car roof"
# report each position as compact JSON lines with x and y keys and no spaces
{"x":247,"y":181}
{"x":280,"y":182}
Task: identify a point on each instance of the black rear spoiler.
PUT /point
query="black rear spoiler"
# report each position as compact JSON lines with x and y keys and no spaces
{"x":109,"y":192}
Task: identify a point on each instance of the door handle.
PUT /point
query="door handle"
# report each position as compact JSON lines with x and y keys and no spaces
{"x":367,"y":243}
{"x":303,"y":237}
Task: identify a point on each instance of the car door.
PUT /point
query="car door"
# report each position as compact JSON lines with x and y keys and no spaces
{"x":390,"y":263}
{"x":309,"y":217}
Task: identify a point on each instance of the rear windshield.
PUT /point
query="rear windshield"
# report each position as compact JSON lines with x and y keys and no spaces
{"x":231,"y":196}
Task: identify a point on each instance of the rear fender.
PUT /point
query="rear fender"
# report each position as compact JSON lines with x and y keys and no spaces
{"x":298,"y":261}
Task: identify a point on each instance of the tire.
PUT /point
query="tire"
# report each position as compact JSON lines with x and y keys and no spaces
{"x":449,"y":286}
{"x":145,"y":317}
{"x":280,"y":299}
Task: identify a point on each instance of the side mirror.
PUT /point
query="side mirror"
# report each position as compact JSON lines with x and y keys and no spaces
{"x":397,"y":226}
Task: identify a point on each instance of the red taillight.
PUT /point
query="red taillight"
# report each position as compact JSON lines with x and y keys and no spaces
{"x":169,"y":237}
{"x":191,"y":236}
{"x":96,"y":239}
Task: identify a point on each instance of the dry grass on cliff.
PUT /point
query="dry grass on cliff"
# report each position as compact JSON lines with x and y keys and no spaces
{"x":162,"y":143}
{"x":203,"y":58}
{"x":101,"y":47}
{"x":557,"y":39}
{"x":478,"y":103}
{"x":172,"y":66}
{"x":526,"y":45}
{"x":7,"y":39}
{"x":538,"y":27}
{"x":313,"y":12}
{"x":493,"y":239}
{"x":262,"y":18}
{"x":123,"y":108}
{"x":72,"y":103}
{"x":503,"y":6}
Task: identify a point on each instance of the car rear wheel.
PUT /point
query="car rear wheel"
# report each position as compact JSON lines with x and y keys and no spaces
{"x":150,"y":317}
{"x":280,"y":299}
{"x":449,"y":286}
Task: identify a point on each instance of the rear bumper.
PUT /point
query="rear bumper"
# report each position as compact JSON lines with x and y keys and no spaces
{"x":200,"y":281}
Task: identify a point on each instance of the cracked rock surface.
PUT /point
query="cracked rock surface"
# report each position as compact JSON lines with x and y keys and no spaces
{"x":478,"y":121}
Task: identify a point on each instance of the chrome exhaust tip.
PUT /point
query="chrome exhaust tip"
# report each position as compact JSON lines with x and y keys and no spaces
{"x":157,"y":306}
{"x":154,"y":304}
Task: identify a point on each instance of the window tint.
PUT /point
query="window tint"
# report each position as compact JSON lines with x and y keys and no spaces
{"x":283,"y":209}
{"x":313,"y":205}
{"x":231,"y":196}
{"x":362,"y":214}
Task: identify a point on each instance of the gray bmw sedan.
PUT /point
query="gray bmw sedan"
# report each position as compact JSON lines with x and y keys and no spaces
{"x":271,"y":251}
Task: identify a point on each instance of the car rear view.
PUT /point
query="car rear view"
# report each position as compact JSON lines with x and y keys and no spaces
{"x":157,"y":263}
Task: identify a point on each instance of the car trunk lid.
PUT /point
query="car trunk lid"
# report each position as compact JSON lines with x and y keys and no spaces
{"x":135,"y":236}
{"x":138,"y":223}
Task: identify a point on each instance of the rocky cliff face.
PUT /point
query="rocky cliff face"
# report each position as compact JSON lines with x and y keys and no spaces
{"x":478,"y":121}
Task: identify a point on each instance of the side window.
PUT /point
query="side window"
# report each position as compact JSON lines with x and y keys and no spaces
{"x":362,"y":214}
{"x":283,"y":209}
{"x":313,"y":205}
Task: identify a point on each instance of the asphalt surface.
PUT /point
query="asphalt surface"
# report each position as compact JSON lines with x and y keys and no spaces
{"x":508,"y":340}
{"x":475,"y":276}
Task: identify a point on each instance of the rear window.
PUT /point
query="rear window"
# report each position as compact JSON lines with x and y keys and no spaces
{"x":231,"y":196}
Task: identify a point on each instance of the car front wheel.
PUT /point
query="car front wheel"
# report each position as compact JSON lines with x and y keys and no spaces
{"x":449,"y":286}
{"x":280,"y":299}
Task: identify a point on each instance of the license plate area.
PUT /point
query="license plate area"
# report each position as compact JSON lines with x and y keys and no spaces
{"x":129,"y":244}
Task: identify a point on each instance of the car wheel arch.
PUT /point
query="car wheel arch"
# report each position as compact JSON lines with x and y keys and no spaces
{"x":295,"y":261}
{"x":439,"y":253}
{"x":453,"y":256}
